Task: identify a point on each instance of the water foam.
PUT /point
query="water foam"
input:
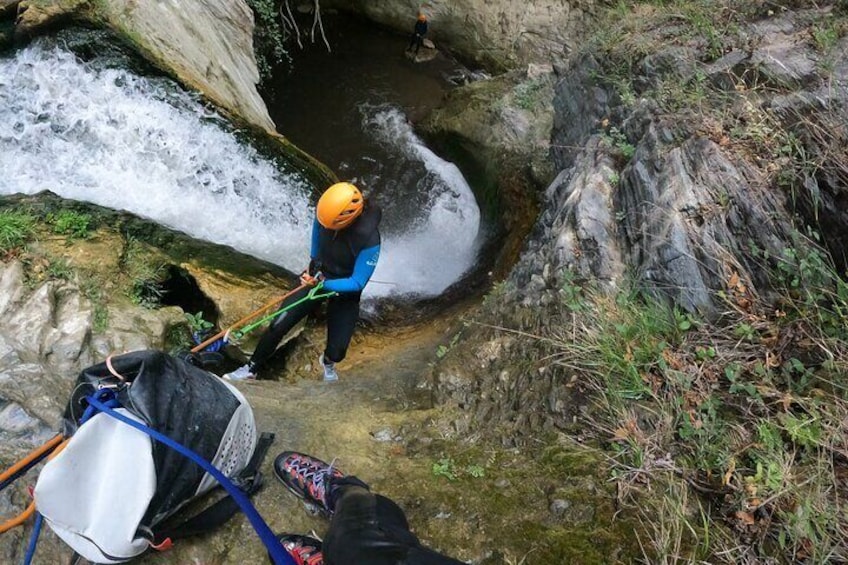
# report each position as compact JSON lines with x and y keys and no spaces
{"x":129,"y":143}
{"x":440,"y":245}
{"x":126,"y":142}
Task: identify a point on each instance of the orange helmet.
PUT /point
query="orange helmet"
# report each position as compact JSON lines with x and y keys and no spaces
{"x":422,"y":17}
{"x":339,"y":206}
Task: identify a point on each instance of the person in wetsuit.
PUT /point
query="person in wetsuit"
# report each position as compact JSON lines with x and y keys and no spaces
{"x":417,"y":38}
{"x":344,"y":253}
{"x":365,"y":528}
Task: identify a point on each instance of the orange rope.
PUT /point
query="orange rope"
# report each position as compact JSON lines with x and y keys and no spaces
{"x":57,"y":447}
{"x":19,"y":519}
{"x":61,"y":447}
{"x":50,"y":445}
{"x":246,"y":319}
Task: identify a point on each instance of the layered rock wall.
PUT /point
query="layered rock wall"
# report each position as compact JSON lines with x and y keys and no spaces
{"x":683,"y":201}
{"x":499,"y":34}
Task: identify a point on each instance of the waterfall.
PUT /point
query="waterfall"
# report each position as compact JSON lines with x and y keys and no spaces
{"x":437,"y":241}
{"x":112,"y":138}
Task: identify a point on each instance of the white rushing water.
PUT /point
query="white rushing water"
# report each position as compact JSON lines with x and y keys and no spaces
{"x":126,"y":142}
{"x":439,"y":244}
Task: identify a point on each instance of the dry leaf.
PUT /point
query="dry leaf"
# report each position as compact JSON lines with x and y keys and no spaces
{"x":786,"y":401}
{"x":673,"y":361}
{"x":620,"y":434}
{"x":769,"y":341}
{"x":733,"y":281}
{"x":746,"y":517}
{"x":729,"y":474}
{"x":772,"y":360}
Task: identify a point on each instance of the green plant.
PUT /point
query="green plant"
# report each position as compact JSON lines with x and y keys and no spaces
{"x":476,"y":471}
{"x":177,"y":340}
{"x":92,"y":288}
{"x":703,"y":354}
{"x":614,"y":179}
{"x":684,"y":320}
{"x":798,"y":377}
{"x":269,"y":40}
{"x":70,"y":223}
{"x":443,"y":350}
{"x":825,"y":37}
{"x":571,"y":293}
{"x":60,"y":269}
{"x":196,"y":323}
{"x":145,"y":277}
{"x":704,"y":23}
{"x":526,"y":94}
{"x":15,"y":229}
{"x":616,"y":140}
{"x":446,"y":468}
{"x":733,"y":373}
{"x":745,"y":331}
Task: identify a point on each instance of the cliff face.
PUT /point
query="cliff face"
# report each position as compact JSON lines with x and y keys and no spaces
{"x":499,"y":34}
{"x":691,"y":172}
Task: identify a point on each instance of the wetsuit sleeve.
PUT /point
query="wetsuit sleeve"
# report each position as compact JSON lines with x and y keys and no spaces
{"x":364,"y":267}
{"x":313,"y":251}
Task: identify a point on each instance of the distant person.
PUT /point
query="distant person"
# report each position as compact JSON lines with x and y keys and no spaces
{"x":365,"y":528}
{"x":344,"y":253}
{"x":418,"y":34}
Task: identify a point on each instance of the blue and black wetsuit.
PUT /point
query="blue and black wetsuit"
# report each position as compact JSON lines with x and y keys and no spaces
{"x":417,"y":38}
{"x":347,"y":259}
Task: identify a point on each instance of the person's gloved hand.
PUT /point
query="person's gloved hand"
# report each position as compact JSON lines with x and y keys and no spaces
{"x":310,"y":280}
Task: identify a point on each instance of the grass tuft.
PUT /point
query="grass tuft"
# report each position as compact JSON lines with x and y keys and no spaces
{"x":16,"y":228}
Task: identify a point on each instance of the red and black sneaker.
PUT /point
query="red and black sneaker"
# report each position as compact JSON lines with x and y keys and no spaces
{"x":307,"y":477}
{"x":304,"y":549}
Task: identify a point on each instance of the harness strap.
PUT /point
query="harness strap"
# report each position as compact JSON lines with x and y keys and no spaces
{"x":278,"y":553}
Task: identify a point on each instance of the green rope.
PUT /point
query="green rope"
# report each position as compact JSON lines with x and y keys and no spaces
{"x":313,"y":294}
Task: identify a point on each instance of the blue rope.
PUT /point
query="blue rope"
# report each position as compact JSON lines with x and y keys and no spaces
{"x":216,"y":345}
{"x":278,"y":553}
{"x":104,"y":395}
{"x":33,"y":539}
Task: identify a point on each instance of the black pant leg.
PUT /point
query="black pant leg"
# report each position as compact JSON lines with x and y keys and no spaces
{"x":355,"y":535}
{"x":369,"y":529}
{"x":282,"y":325}
{"x":342,"y":313}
